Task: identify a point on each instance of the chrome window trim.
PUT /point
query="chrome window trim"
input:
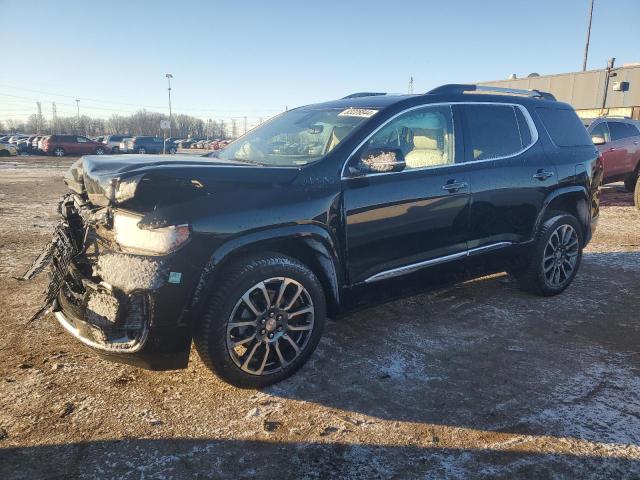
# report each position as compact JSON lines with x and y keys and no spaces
{"x":413,"y":267}
{"x":527,"y":116}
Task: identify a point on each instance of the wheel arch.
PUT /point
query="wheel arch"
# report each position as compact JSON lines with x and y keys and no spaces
{"x":573,"y":200}
{"x":311,"y":244}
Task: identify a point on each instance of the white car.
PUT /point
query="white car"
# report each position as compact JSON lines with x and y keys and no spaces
{"x":114,"y":142}
{"x":8,"y":150}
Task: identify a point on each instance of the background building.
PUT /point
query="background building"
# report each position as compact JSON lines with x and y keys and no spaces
{"x":593,"y":93}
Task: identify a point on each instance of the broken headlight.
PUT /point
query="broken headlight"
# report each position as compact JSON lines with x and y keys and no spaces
{"x":159,"y":241}
{"x":121,"y":190}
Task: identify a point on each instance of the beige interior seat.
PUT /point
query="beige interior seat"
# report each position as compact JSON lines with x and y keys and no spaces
{"x":426,"y":152}
{"x":337,"y":134}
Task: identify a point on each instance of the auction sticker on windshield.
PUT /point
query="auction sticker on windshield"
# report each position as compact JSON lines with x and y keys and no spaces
{"x":358,"y":112}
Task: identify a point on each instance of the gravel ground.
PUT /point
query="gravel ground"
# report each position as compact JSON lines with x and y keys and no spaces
{"x":478,"y":380}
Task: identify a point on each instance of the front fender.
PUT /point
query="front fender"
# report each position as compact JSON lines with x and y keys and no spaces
{"x":315,"y":238}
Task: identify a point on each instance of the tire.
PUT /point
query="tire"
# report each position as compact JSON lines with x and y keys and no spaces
{"x":636,"y":194}
{"x":99,"y":151}
{"x":142,"y":150}
{"x":5,"y":153}
{"x":115,"y":150}
{"x":546,"y":273}
{"x":172,"y":150}
{"x":264,"y":352}
{"x":630,"y":182}
{"x":59,"y":152}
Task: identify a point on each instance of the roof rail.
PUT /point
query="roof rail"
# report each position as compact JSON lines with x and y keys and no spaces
{"x":364,"y":94}
{"x":457,"y":88}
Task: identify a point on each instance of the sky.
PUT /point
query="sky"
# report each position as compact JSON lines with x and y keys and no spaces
{"x":256,"y":58}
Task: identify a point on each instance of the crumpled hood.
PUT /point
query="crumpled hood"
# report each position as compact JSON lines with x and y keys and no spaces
{"x":163,"y":177}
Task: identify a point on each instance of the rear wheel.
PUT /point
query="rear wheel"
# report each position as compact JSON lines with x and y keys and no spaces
{"x":556,"y":256}
{"x":99,"y":151}
{"x":263,"y":322}
{"x":142,"y":150}
{"x":59,"y":152}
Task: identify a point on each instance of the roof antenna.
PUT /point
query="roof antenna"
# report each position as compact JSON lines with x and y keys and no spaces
{"x":410,"y":85}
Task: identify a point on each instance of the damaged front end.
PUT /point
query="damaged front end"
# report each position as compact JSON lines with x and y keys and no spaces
{"x":83,"y":275}
{"x":117,"y":288}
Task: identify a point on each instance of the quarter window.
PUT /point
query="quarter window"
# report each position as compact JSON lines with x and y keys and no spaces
{"x":564,"y":127}
{"x":424,"y":136}
{"x":496,"y":131}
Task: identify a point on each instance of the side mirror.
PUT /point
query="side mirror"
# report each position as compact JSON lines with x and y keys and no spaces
{"x":598,"y":140}
{"x":379,"y":160}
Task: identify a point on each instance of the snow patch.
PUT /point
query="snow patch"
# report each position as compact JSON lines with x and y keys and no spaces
{"x":132,"y":272}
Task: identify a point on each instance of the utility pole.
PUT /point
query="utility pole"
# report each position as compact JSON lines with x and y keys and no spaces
{"x":54,"y":118}
{"x":610,"y":63}
{"x":245,"y":126}
{"x":410,"y":85}
{"x":169,"y":77}
{"x":586,"y":46}
{"x":78,"y":107}
{"x":39,"y":123}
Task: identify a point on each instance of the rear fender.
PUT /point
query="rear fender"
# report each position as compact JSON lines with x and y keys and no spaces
{"x":570,"y":199}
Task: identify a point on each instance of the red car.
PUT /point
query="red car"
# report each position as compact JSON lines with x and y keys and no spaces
{"x":618,"y":140}
{"x":61,"y":145}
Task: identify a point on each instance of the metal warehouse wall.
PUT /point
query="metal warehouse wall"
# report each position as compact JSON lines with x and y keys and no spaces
{"x":585,"y":90}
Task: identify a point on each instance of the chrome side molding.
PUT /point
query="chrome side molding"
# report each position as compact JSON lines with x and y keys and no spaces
{"x":396,"y":272}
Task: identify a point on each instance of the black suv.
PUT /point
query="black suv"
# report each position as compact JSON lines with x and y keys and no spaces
{"x":148,"y":145}
{"x":323,"y":209}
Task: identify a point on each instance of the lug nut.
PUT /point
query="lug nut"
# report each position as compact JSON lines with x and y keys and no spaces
{"x":263,"y":321}
{"x":271,"y":335}
{"x":263,"y":331}
{"x":279,"y":317}
{"x":271,"y":314}
{"x":280,"y":328}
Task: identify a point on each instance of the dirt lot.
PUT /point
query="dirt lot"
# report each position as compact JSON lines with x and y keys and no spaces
{"x":479,"y":380}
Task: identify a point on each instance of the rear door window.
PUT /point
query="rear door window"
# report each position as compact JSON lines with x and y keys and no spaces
{"x":564,"y":127}
{"x":495,"y":131}
{"x":620,"y":130}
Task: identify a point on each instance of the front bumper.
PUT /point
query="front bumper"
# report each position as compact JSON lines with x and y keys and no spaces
{"x":128,"y":308}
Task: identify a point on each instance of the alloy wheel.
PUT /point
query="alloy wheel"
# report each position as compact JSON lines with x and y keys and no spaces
{"x":561,"y":255}
{"x":270,"y":326}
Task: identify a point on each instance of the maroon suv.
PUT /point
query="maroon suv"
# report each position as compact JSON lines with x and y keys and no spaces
{"x":618,"y":140}
{"x":61,"y":145}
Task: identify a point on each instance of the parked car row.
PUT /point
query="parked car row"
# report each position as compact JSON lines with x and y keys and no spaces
{"x":201,"y":143}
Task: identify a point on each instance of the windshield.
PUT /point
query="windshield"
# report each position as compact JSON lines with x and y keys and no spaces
{"x":297,"y":137}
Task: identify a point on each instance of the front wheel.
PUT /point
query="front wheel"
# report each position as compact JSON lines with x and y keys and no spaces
{"x":556,"y":256}
{"x":263,"y":321}
{"x":630,"y":183}
{"x":99,"y":151}
{"x":59,"y":152}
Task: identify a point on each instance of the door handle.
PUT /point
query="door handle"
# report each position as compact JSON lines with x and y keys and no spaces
{"x":542,"y":175}
{"x":453,"y":187}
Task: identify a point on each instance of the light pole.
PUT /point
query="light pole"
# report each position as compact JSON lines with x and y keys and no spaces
{"x":78,"y":108}
{"x":169,"y":77}
{"x":586,"y":46}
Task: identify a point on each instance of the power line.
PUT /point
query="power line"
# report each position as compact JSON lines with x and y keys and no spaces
{"x":111,"y":102}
